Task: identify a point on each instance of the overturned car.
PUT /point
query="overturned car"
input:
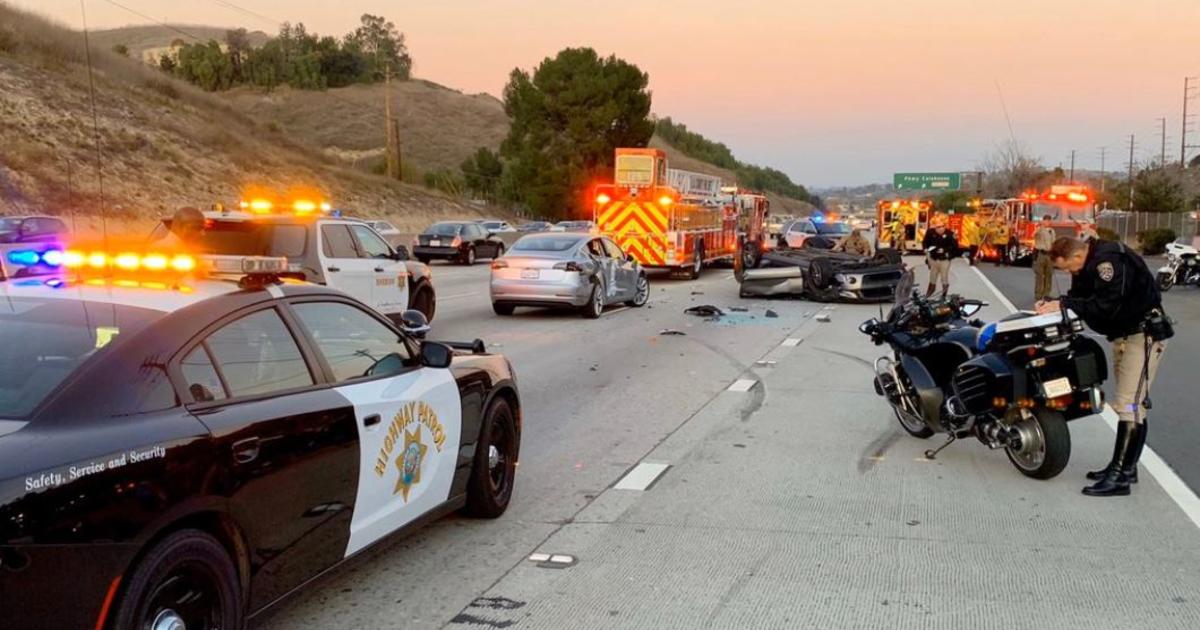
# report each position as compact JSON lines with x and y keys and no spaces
{"x":816,"y":272}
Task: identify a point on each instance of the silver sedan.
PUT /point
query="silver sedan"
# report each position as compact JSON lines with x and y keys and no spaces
{"x":567,"y":270}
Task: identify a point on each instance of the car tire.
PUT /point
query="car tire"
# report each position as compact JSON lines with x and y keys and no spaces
{"x":187,"y":564}
{"x":499,"y":251}
{"x":493,"y":473}
{"x":501,"y":308}
{"x":641,"y":292}
{"x":820,"y":273}
{"x":424,"y":300}
{"x":595,"y":304}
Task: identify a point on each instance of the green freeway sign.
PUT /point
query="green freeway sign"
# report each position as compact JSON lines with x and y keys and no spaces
{"x":927,"y":181}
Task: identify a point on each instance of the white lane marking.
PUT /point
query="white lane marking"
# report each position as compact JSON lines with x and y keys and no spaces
{"x":1167,"y":478}
{"x":539,"y":557}
{"x":742,"y":385}
{"x":999,"y":296}
{"x":447,"y":298}
{"x":791,"y":342}
{"x":642,"y":476}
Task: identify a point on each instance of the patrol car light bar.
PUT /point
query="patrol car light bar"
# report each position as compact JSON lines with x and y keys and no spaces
{"x":32,"y":258}
{"x":127,"y":261}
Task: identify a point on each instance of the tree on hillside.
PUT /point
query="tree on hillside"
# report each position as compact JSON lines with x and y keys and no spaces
{"x":121,"y":49}
{"x":166,"y":63}
{"x":567,"y":118}
{"x":1158,"y":189}
{"x":383,"y":47}
{"x":205,"y":65}
{"x":482,"y":173}
{"x":237,"y":44}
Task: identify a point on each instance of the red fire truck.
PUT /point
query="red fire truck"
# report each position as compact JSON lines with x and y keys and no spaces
{"x":1071,"y":209}
{"x":667,"y":218}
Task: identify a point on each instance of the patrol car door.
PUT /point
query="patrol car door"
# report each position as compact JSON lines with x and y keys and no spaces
{"x":341,"y":265}
{"x":409,"y":417}
{"x":285,"y":456}
{"x":389,"y":289}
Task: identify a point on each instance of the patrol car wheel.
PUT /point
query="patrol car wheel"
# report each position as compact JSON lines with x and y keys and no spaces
{"x":186,"y":582}
{"x":424,"y":301}
{"x":494,"y":471}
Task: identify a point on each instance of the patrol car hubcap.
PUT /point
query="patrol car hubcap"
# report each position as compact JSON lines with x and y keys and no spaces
{"x":493,"y":457}
{"x":168,"y":620}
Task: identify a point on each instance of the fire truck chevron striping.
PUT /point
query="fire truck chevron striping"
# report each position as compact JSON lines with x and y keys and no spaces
{"x":669,"y":218}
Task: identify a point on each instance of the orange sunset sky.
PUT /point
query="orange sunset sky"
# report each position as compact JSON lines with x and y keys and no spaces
{"x":832,"y":93}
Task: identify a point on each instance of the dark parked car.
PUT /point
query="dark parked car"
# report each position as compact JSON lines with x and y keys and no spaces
{"x":535,"y":226}
{"x":31,"y":229}
{"x":460,"y":241}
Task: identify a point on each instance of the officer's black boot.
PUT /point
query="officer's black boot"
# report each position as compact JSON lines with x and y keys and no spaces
{"x":1114,"y":482}
{"x":1131,"y":472}
{"x":929,"y":290}
{"x":945,"y":290}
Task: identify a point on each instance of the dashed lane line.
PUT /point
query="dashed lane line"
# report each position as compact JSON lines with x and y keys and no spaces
{"x":642,"y":476}
{"x":742,"y":385}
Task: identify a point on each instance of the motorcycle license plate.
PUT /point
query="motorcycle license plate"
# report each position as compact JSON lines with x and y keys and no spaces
{"x":529,"y":274}
{"x":1057,"y":387}
{"x":435,"y":243}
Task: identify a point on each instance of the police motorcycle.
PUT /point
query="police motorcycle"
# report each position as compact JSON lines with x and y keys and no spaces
{"x":1011,"y":384}
{"x":1182,"y":268}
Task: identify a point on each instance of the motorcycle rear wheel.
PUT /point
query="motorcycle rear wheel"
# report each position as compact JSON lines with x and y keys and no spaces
{"x":1045,"y":447}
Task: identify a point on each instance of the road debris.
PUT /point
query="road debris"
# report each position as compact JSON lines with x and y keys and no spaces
{"x":669,"y":332}
{"x":705,"y":310}
{"x":771,"y":313}
{"x":823,"y":318}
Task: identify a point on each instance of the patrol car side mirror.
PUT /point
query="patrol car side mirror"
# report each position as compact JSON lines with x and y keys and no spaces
{"x":436,"y":355}
{"x":400,"y":253}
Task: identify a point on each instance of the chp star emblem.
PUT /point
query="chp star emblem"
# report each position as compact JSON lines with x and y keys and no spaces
{"x":409,"y":463}
{"x":1105,"y":271}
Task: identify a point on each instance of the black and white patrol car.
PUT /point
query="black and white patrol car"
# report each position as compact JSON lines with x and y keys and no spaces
{"x":185,"y":453}
{"x":344,"y":253}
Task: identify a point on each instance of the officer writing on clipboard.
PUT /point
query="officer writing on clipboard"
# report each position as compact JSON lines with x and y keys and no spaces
{"x":1116,"y":295}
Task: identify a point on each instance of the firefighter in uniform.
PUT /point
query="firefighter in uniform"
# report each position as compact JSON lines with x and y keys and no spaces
{"x":187,"y":224}
{"x":896,"y":231}
{"x":941,"y":246}
{"x":856,"y":244}
{"x":1043,"y":269}
{"x":1115,"y":294}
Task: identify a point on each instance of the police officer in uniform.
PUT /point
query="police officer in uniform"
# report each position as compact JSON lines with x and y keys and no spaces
{"x":1043,"y":269}
{"x":941,"y":246}
{"x":1115,"y":294}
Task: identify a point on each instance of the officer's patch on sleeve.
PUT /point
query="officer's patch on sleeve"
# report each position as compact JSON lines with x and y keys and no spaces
{"x":1106,"y":271}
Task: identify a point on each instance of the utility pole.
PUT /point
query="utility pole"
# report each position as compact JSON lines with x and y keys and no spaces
{"x":1103,"y":151}
{"x":1071,"y":179}
{"x":392,"y":129}
{"x":1131,"y":143}
{"x":1162,"y":161}
{"x":1188,"y":95}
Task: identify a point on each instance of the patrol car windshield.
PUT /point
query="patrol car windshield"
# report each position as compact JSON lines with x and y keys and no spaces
{"x":9,"y":224}
{"x":546,"y":243}
{"x":835,"y":228}
{"x":246,"y":238}
{"x":443,"y":229}
{"x":44,"y":341}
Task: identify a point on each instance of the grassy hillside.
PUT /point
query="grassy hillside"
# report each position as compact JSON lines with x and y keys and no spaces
{"x":439,"y":127}
{"x":163,"y":144}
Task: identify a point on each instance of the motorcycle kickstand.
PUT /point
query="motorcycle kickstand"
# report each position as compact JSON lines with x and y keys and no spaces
{"x":931,"y":454}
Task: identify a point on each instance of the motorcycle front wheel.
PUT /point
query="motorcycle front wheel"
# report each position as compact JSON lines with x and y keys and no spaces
{"x":1166,"y":281}
{"x":910,"y":419}
{"x":1043,"y":446}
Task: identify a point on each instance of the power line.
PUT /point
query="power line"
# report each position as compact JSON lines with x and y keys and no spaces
{"x":87,"y":54}
{"x":245,"y":11}
{"x":158,"y":22}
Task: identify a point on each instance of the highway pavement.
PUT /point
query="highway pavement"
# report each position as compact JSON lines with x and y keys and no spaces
{"x":1174,"y":429}
{"x":743,"y":474}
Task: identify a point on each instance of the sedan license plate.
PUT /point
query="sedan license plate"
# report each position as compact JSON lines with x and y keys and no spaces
{"x":529,"y":274}
{"x":435,"y":243}
{"x":1057,"y":387}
